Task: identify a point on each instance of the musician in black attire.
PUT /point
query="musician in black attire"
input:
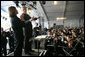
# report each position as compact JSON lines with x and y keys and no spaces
{"x":37,"y":32}
{"x":27,"y":30}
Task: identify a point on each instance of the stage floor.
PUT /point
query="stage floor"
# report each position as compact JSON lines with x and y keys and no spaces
{"x":35,"y":53}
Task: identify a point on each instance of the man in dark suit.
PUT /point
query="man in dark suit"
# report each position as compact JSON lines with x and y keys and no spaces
{"x":27,"y":30}
{"x":37,"y":30}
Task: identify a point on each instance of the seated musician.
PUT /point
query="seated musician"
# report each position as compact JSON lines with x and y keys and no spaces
{"x":49,"y":39}
{"x":69,"y":40}
{"x":73,"y":34}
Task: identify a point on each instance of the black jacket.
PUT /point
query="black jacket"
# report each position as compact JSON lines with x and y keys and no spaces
{"x":17,"y":26}
{"x":28,"y":26}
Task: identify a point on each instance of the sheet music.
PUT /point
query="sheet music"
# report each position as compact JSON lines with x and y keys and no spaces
{"x":41,"y":36}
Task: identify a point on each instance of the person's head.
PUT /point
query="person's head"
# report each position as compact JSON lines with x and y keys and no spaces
{"x":53,"y":30}
{"x":54,"y":35}
{"x":49,"y":32}
{"x":24,"y":9}
{"x":12,"y":11}
{"x":54,"y":24}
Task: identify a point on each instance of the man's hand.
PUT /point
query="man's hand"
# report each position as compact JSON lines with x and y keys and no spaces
{"x":39,"y":17}
{"x":22,"y":16}
{"x":32,"y":18}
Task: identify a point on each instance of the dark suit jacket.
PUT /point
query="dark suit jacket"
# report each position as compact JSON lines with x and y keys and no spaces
{"x":27,"y":17}
{"x":17,"y":26}
{"x":28,"y":26}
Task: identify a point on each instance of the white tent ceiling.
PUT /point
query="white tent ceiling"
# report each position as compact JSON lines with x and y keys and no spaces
{"x":72,"y":10}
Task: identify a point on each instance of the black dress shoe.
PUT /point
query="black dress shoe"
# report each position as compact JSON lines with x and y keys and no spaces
{"x":28,"y":53}
{"x":32,"y":51}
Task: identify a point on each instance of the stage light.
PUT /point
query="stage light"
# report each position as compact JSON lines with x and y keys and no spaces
{"x":61,"y":18}
{"x":29,"y":10}
{"x":55,"y":2}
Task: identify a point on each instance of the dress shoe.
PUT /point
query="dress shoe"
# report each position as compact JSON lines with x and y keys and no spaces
{"x":32,"y":51}
{"x":28,"y":53}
